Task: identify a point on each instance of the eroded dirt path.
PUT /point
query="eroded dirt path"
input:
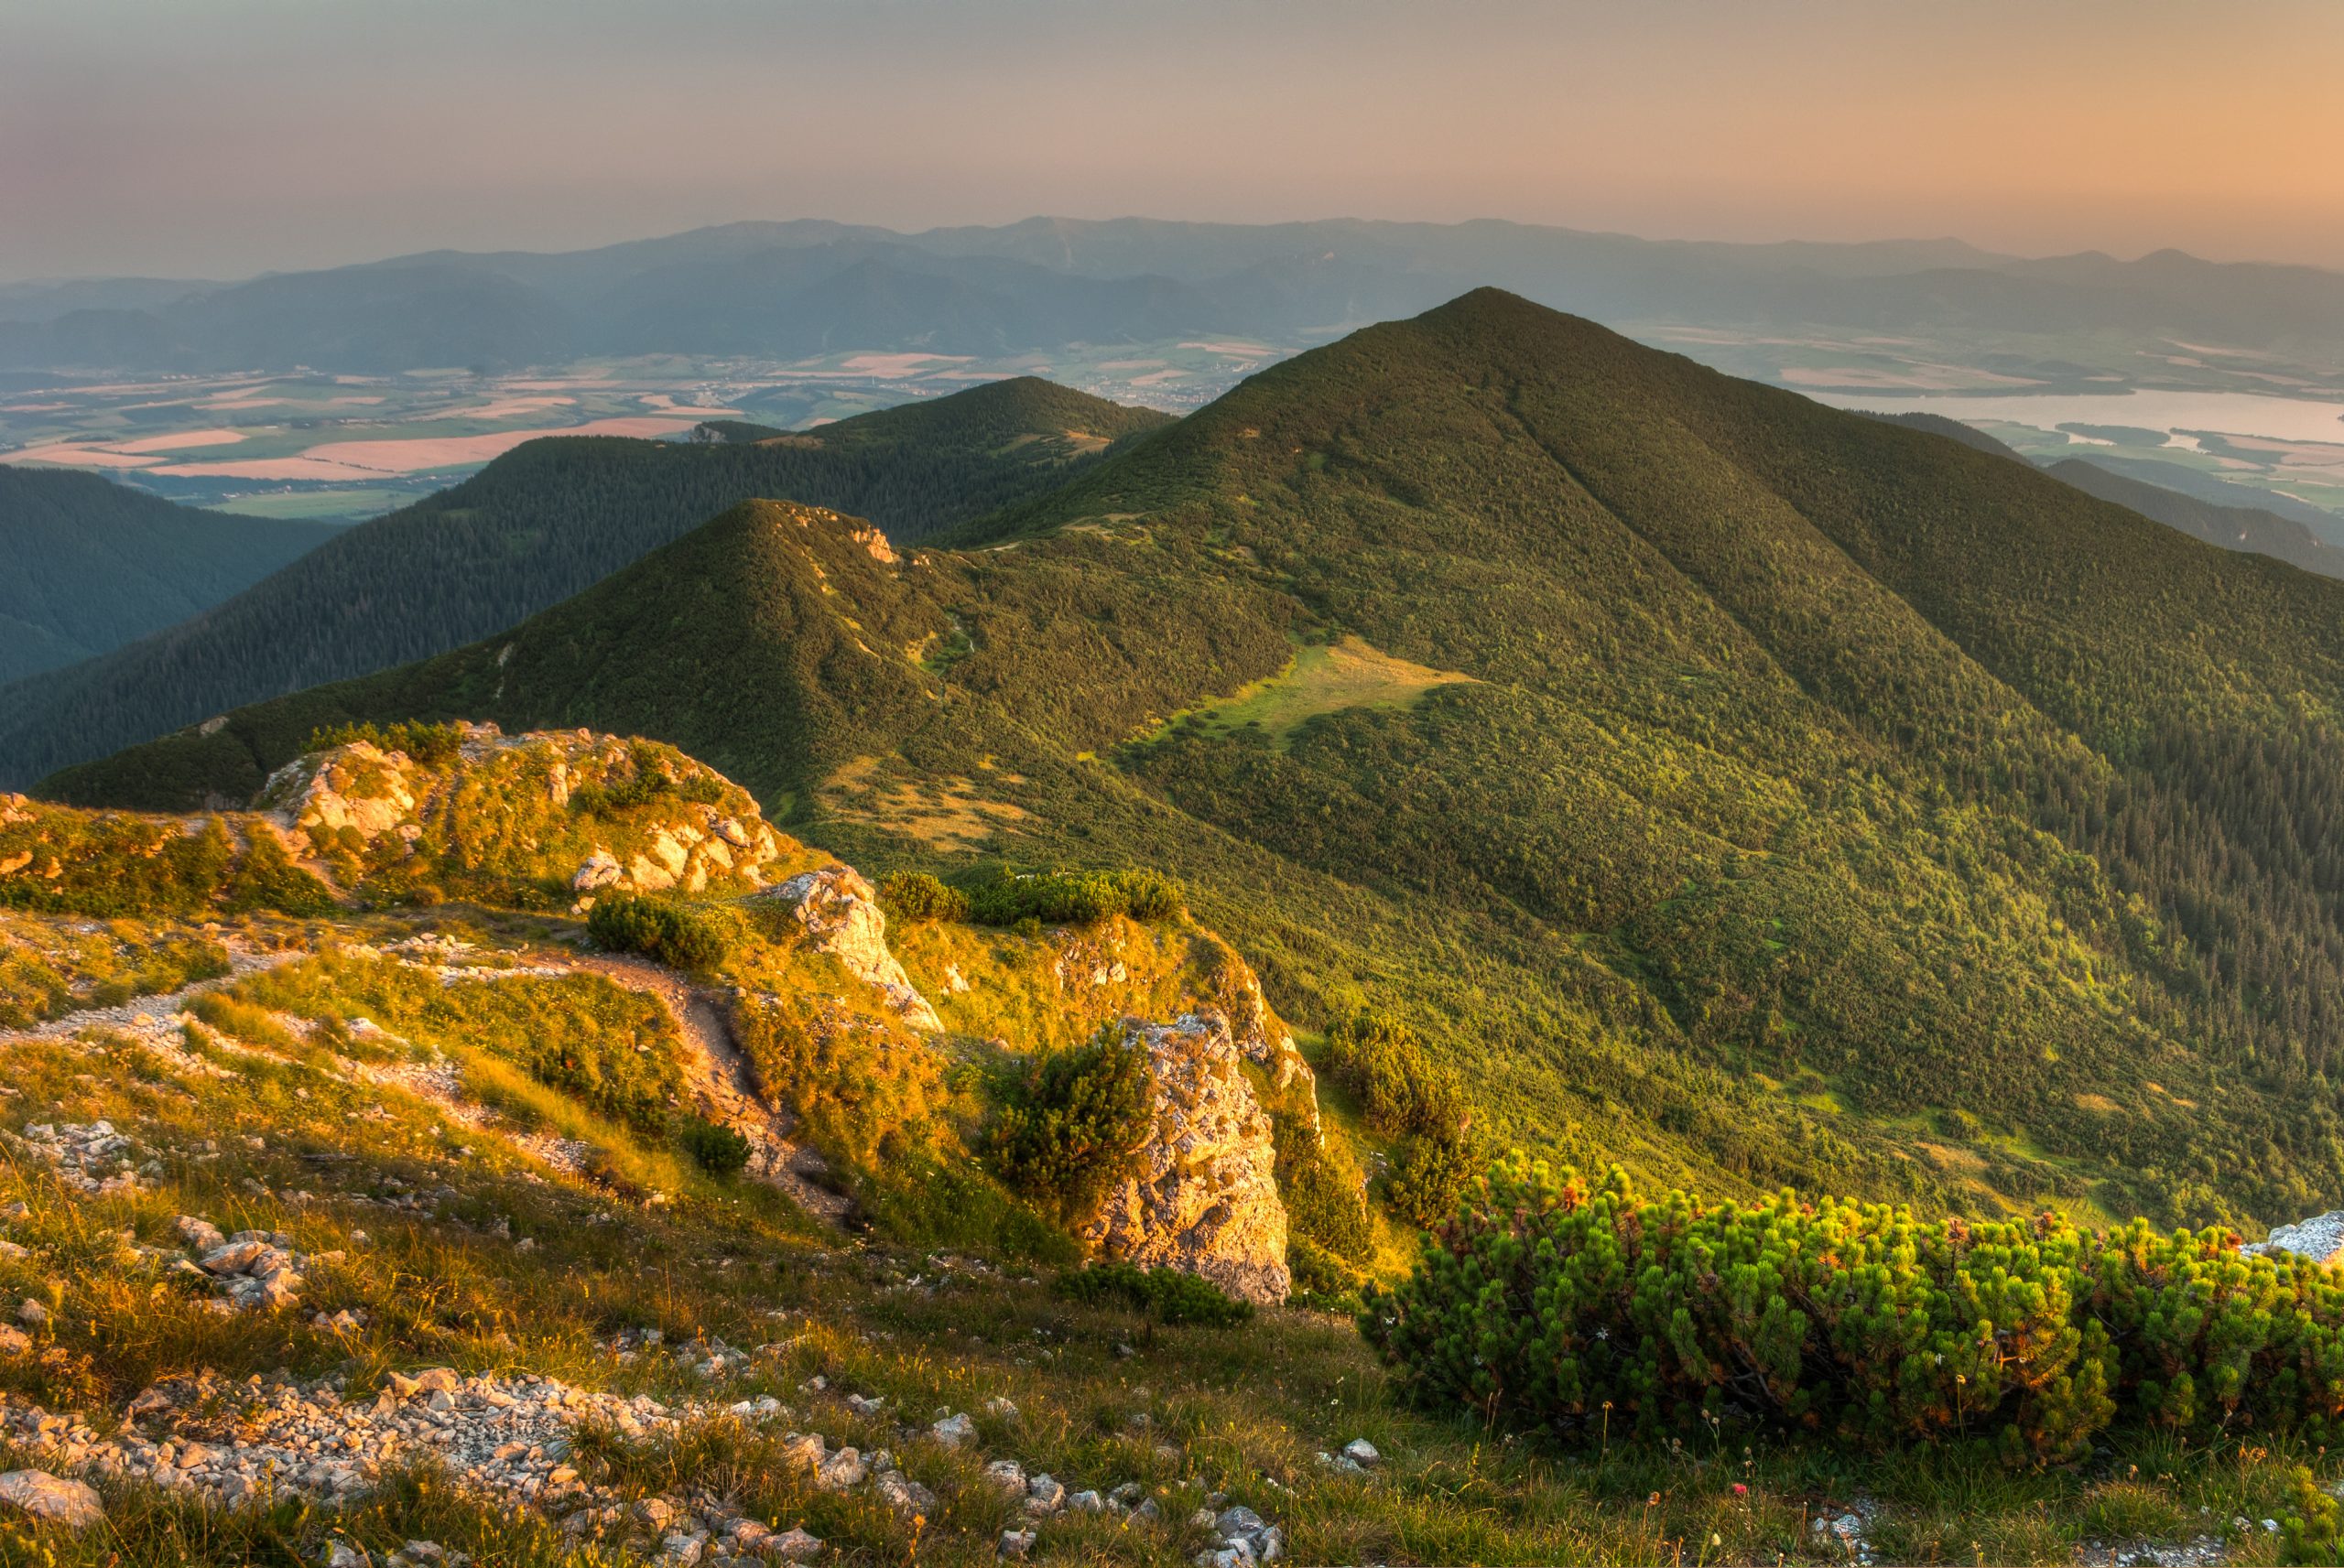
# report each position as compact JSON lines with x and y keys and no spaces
{"x":723,"y":1083}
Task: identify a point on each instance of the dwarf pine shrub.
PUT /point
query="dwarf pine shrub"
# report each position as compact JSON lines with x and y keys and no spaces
{"x":669,"y":933}
{"x":916,"y":898}
{"x":1406,"y":1095}
{"x":1074,"y":898}
{"x":718,"y":1149}
{"x":1549,"y":1300}
{"x":432,"y":745}
{"x":1072,"y":1125}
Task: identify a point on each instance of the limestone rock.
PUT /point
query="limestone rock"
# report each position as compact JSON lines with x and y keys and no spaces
{"x":684,"y":826}
{"x":52,"y":1500}
{"x":794,"y":1546}
{"x":1204,"y":1199}
{"x":841,"y":915}
{"x":599,"y":869}
{"x":2319,"y":1238}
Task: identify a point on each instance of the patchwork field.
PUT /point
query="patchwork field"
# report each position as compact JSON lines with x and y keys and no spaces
{"x":353,"y":447}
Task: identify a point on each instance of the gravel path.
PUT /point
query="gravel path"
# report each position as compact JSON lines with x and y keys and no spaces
{"x":242,"y":961}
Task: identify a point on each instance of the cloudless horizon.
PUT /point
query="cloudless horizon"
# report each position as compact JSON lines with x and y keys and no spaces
{"x":143,"y":137}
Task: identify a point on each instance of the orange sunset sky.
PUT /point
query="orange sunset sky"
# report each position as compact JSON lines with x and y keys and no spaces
{"x":220,"y":137}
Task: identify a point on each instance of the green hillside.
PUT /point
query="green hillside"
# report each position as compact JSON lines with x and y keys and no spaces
{"x":538,"y":524}
{"x":87,"y":565}
{"x":1744,"y":790}
{"x":2252,"y":528}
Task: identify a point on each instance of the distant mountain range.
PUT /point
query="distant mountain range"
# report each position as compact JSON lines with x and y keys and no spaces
{"x":87,"y":565}
{"x":792,"y":290}
{"x":1728,"y":785}
{"x":541,"y":523}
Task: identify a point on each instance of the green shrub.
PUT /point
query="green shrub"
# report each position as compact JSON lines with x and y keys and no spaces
{"x":1548,"y":1301}
{"x":651,"y":776}
{"x":916,"y":898}
{"x":1401,"y":1090}
{"x":1073,"y":898}
{"x":1324,"y":1201}
{"x":1405,"y":1095}
{"x":433,"y":745}
{"x":1166,"y":1295}
{"x":718,"y":1151}
{"x":2315,"y":1532}
{"x":658,"y":929}
{"x":1073,"y":1124}
{"x":1428,"y":1172}
{"x":1321,"y":1279}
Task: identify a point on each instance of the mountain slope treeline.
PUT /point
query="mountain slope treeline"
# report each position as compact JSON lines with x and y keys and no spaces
{"x":87,"y":565}
{"x":1744,"y":790}
{"x":538,"y":524}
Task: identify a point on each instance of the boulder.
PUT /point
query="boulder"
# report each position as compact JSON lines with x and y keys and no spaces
{"x":1204,"y":1199}
{"x":52,"y":1500}
{"x":599,"y":869}
{"x":841,"y":916}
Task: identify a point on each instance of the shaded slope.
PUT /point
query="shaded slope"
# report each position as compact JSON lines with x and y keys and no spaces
{"x":87,"y":565}
{"x":2254,"y":528}
{"x":1829,"y":803}
{"x":538,"y":524}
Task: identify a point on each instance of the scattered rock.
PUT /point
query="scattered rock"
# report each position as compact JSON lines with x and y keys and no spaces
{"x":1045,"y":1495}
{"x":1359,"y":1451}
{"x":1016,"y":1542}
{"x":2318,"y":1239}
{"x":794,"y":1546}
{"x":953,"y":1431}
{"x":200,"y":1235}
{"x":840,"y":1471}
{"x":902,"y":1494}
{"x":1008,"y":1475}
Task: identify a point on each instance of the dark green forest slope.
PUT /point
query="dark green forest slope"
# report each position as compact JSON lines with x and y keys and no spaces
{"x":87,"y":565}
{"x":1747,"y":790}
{"x":534,"y":527}
{"x":2232,"y":527}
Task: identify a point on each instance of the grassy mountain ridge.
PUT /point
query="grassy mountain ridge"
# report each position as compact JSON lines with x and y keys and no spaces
{"x":541,"y":524}
{"x":1824,"y":802}
{"x":87,"y":565}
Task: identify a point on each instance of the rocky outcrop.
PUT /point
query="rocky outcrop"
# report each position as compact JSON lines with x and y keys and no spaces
{"x":1259,"y":1034}
{"x":2319,"y":1238}
{"x":594,"y":811}
{"x":841,"y":916}
{"x":1204,"y":1199}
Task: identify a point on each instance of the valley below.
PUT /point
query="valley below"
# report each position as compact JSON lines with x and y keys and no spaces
{"x":1494,"y":947}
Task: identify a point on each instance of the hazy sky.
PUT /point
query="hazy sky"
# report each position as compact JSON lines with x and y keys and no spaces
{"x":220,"y":137}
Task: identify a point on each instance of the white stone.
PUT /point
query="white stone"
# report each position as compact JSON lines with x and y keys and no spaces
{"x":52,"y":1500}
